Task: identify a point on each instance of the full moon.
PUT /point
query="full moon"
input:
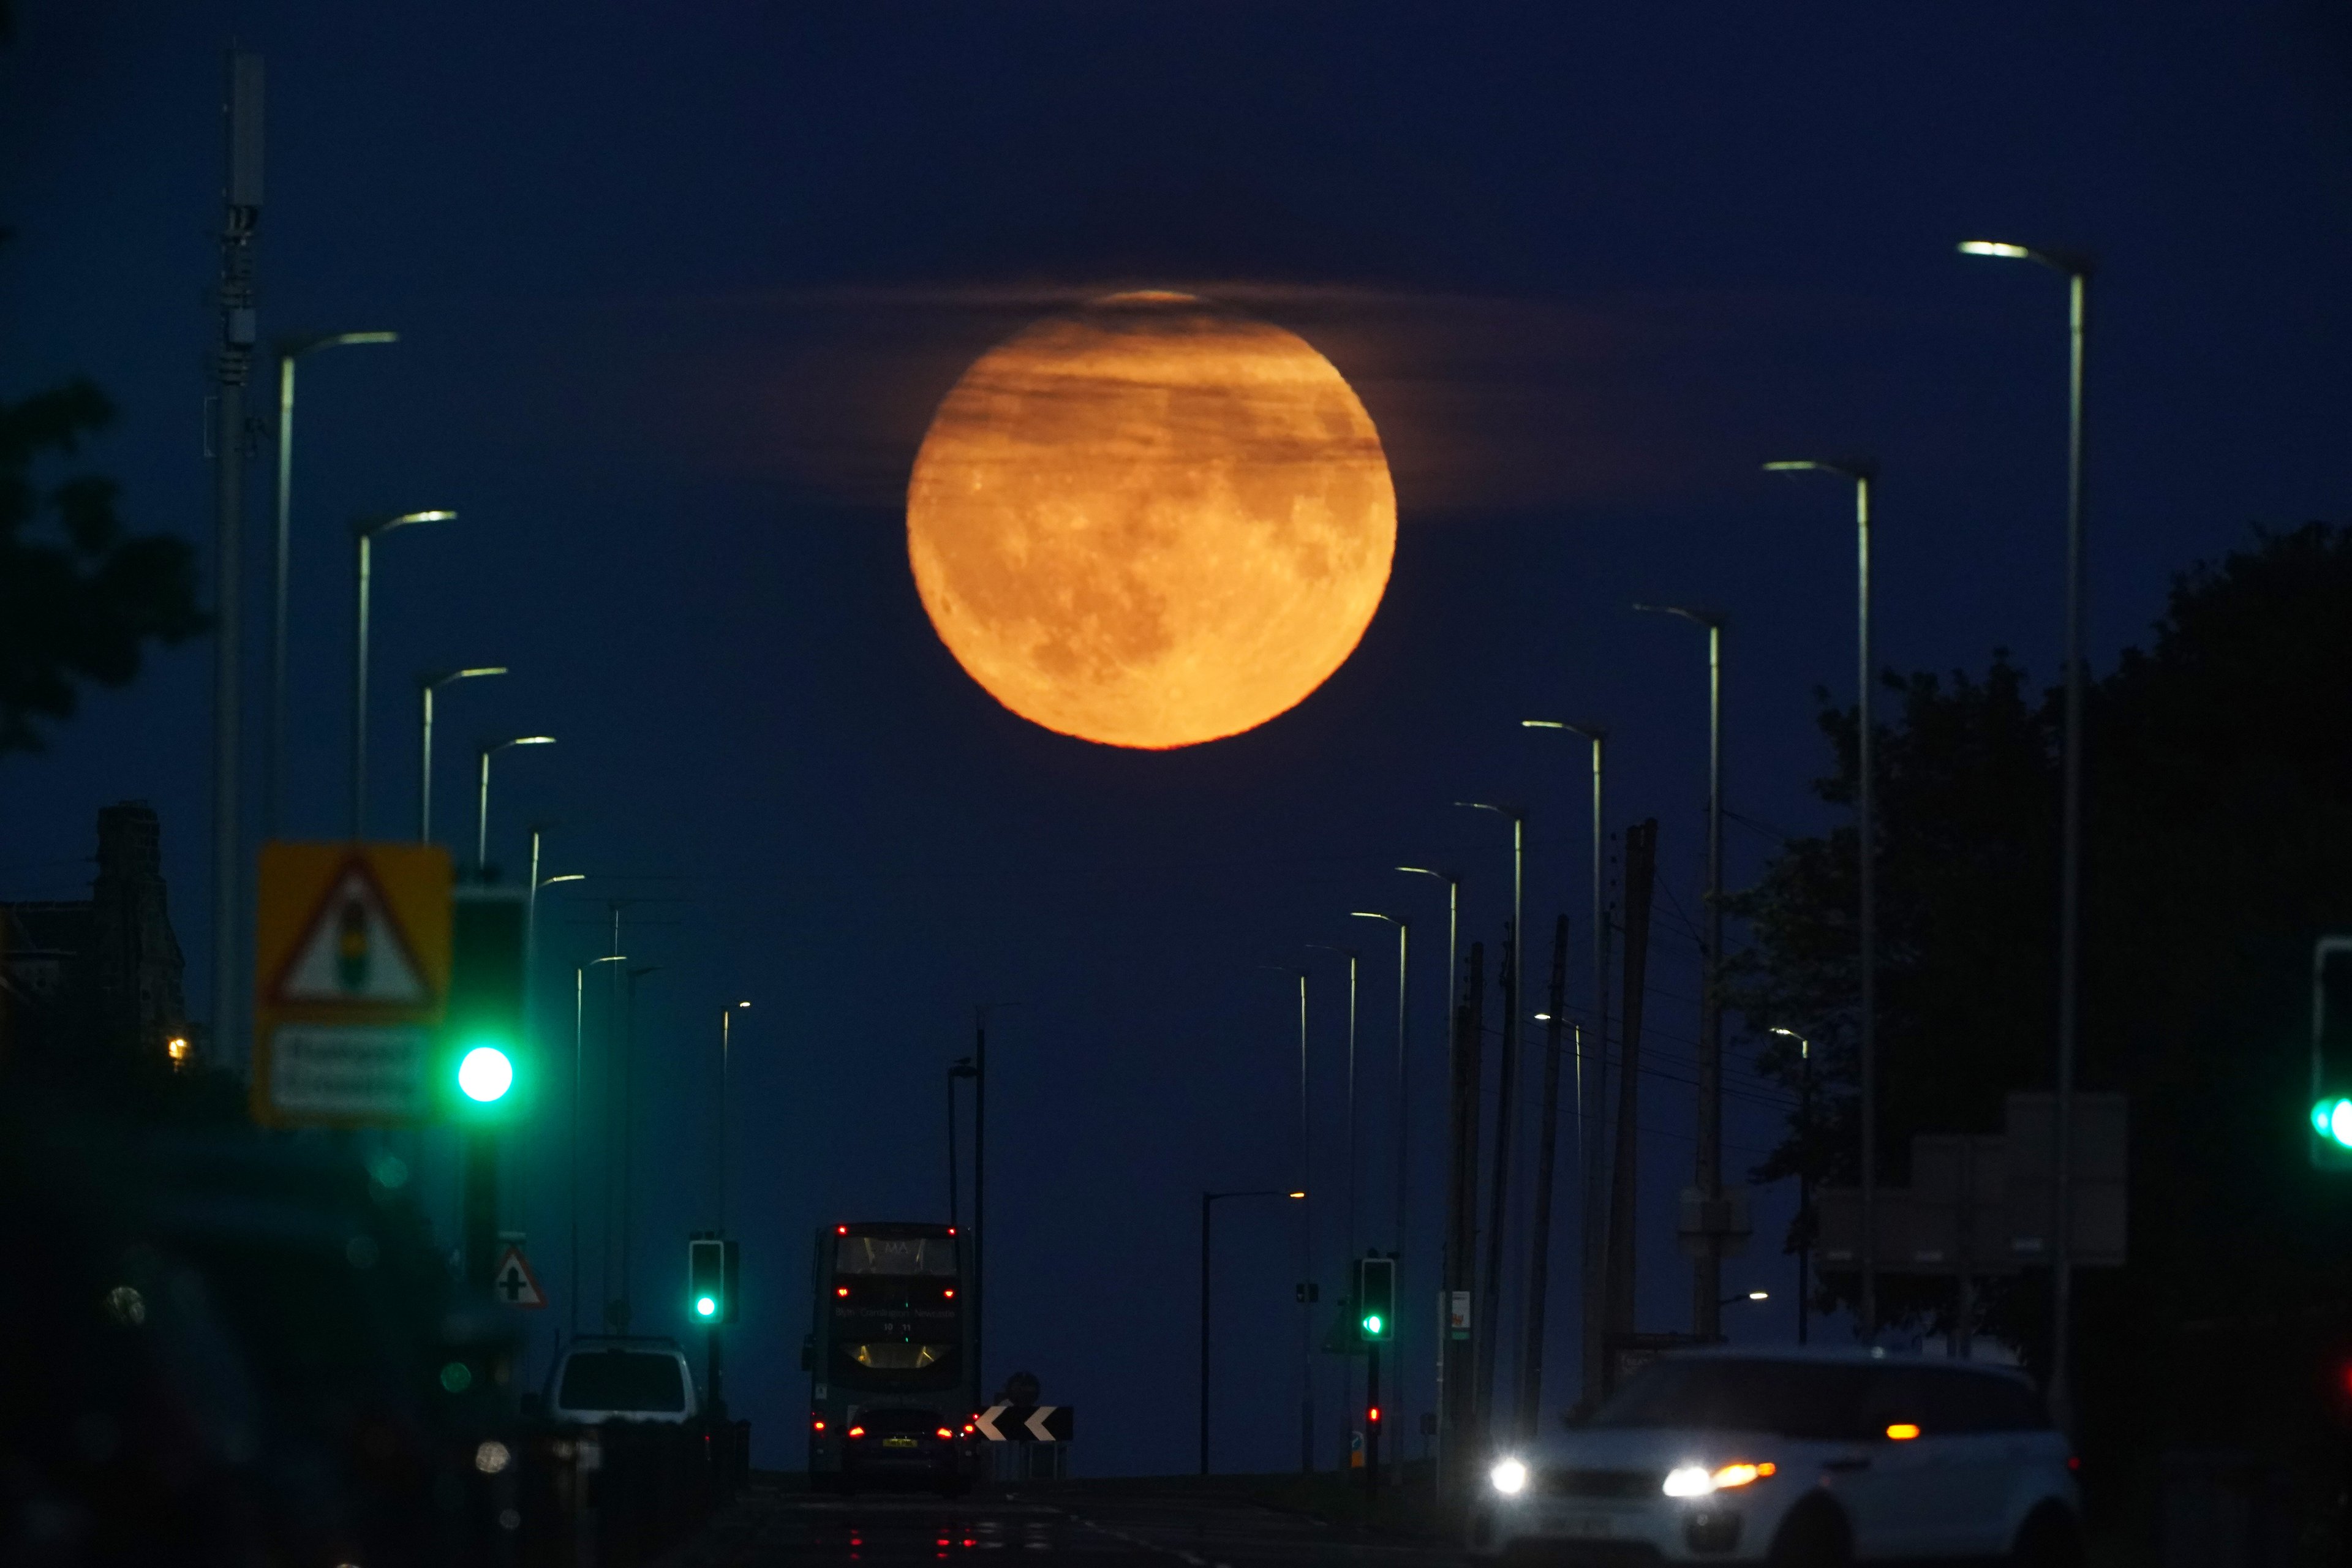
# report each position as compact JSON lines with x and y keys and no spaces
{"x":1150,"y":522}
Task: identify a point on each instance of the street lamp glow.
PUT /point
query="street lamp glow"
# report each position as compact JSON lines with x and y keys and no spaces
{"x":1760,"y":1295}
{"x":1293,"y":1194}
{"x":1995,"y":247}
{"x":1510,"y":1478}
{"x":486,"y":1074}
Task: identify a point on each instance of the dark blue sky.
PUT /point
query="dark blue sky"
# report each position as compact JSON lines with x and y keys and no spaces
{"x":678,"y":287}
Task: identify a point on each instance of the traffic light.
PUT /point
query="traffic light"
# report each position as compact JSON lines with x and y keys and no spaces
{"x":710,"y":1268}
{"x":2331,"y":1054}
{"x":1375,"y":1300}
{"x":481,"y":1054}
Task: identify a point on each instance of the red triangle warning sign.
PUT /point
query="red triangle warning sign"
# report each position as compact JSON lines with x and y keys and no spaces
{"x":354,"y":950}
{"x":513,"y":1283}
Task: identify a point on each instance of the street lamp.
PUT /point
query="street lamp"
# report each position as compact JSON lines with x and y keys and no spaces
{"x":1206,"y":1199}
{"x":1448,"y":1242}
{"x":363,"y":537}
{"x":1306,"y":1240}
{"x":1708,"y":1269}
{"x":426,"y":685}
{"x":1751,"y":1296}
{"x":726,"y":1027}
{"x":1866,"y":858}
{"x":1804,"y":1173}
{"x":482,"y":798}
{"x":2077,"y":272}
{"x":579,"y":1031}
{"x":1489,"y":1300}
{"x":1591,"y":1116}
{"x":290,"y":351}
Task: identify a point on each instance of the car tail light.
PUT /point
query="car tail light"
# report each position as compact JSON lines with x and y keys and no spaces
{"x":946,"y":1432}
{"x":2073,"y":1463}
{"x":948,"y":1295}
{"x":816,"y":1422}
{"x":858,"y":1431}
{"x":841,"y":1290}
{"x":1902,"y":1432}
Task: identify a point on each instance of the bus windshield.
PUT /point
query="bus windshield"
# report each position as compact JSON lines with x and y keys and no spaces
{"x":931,"y":1256}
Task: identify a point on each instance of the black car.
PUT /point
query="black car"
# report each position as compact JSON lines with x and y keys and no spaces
{"x":908,"y":1447}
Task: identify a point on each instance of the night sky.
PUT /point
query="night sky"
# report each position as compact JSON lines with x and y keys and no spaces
{"x":678,"y":288}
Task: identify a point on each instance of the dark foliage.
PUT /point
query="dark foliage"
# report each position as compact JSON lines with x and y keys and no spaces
{"x":78,"y":599}
{"x":2218,"y":845}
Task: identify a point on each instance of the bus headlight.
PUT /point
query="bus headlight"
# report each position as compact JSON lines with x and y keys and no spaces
{"x":1510,"y":1477}
{"x":1697,"y":1480}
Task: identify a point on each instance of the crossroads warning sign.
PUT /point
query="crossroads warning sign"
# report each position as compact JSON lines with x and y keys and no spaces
{"x":352,"y":969}
{"x":512,"y":1282}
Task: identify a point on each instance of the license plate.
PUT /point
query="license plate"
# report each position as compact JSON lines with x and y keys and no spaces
{"x":1588,"y":1526}
{"x":901,"y":1442}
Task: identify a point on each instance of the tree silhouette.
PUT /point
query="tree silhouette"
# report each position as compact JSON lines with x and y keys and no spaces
{"x":78,"y":599}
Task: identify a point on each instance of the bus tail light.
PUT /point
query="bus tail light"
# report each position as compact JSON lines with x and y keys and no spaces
{"x":858,"y":1431}
{"x":947,"y":1432}
{"x":816,"y":1422}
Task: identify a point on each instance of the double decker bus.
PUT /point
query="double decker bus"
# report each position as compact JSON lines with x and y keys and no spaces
{"x":889,"y":1359}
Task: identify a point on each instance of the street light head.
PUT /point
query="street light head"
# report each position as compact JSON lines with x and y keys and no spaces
{"x":1295,"y":1195}
{"x":1373,"y":915}
{"x":1541,"y":724}
{"x":533,"y":741}
{"x":1760,"y":1295}
{"x":2001,"y":248}
{"x":1790,"y":1034}
{"x":742,"y":1004}
{"x":567,"y":877}
{"x":608,"y":958}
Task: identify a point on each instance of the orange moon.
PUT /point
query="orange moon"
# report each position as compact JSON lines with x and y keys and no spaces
{"x":1150,"y":522}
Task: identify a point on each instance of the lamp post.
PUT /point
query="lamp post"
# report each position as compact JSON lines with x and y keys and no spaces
{"x":1804,"y":1176}
{"x":1206,"y":1199}
{"x":1590,"y":1115}
{"x":363,"y":537}
{"x":482,"y":797}
{"x":1441,"y":1328}
{"x":426,"y":686}
{"x":1707,"y":1281}
{"x":726,"y":1039}
{"x":626,"y":1302}
{"x":1866,"y":858}
{"x":290,"y":351}
{"x":2077,"y":272}
{"x":579,"y":1033}
{"x":1306,"y":1240}
{"x":1490,"y":1302}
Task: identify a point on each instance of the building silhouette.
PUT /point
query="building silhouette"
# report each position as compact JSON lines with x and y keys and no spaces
{"x":91,"y":989}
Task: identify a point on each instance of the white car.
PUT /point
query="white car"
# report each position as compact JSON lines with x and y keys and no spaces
{"x":1793,"y":1457}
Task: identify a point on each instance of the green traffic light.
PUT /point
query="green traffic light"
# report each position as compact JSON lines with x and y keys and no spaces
{"x":2332,"y":1120}
{"x":1372,"y":1324}
{"x":486,"y":1074}
{"x":705,"y":1307}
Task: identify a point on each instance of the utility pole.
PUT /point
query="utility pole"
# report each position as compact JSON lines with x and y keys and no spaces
{"x":1490,"y":1307}
{"x":1641,"y":865}
{"x":1547,"y":1146}
{"x":232,"y":367}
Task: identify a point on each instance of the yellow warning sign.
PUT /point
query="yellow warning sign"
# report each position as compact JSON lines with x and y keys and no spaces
{"x":351,"y":966}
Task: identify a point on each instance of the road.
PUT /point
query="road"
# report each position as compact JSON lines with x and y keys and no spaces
{"x":1090,"y":1527}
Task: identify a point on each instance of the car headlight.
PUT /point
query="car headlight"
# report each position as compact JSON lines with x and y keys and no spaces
{"x":1510,"y":1477}
{"x":1697,"y":1480}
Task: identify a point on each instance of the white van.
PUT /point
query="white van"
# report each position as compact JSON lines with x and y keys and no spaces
{"x":616,"y":1378}
{"x":1813,"y":1459}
